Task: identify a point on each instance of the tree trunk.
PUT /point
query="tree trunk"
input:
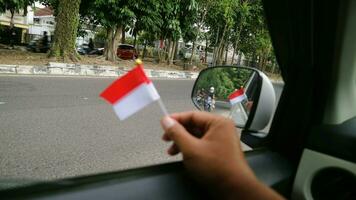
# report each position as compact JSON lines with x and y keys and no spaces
{"x":221,"y":43}
{"x":12,"y":12}
{"x":123,"y":38}
{"x":193,"y":52}
{"x":144,"y":50}
{"x":215,"y":51}
{"x":171,"y":56}
{"x":160,"y":49}
{"x":135,"y":42}
{"x":206,"y":50}
{"x":25,"y":11}
{"x":65,"y":33}
{"x":273,"y":67}
{"x":116,"y":39}
{"x":262,"y":64}
{"x":236,"y":42}
{"x":253,"y":60}
{"x":109,"y":44}
{"x":175,"y":51}
{"x":233,"y":55}
{"x":169,"y":51}
{"x":174,"y":47}
{"x":221,"y":54}
{"x":226,"y":52}
{"x":239,"y":58}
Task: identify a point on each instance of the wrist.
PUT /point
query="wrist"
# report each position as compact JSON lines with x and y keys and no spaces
{"x":239,"y":182}
{"x":247,"y":186}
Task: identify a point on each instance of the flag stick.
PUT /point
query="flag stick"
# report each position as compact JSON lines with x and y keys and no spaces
{"x":163,"y":107}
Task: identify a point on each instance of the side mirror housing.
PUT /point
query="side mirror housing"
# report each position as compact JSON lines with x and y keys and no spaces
{"x":245,"y":95}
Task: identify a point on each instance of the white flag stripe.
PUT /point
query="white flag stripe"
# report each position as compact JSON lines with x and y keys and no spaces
{"x":238,"y":99}
{"x":136,"y":100}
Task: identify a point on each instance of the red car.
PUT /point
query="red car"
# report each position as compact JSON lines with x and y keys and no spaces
{"x":126,"y":51}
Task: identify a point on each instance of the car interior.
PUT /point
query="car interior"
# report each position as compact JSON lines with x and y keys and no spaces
{"x":309,"y":151}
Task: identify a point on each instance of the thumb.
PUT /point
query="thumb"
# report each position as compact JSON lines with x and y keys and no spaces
{"x":176,"y":132}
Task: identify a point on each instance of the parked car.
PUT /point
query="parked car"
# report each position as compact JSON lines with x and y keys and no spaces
{"x":126,"y":51}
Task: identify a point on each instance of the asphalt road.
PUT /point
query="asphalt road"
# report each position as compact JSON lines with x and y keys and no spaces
{"x":55,"y":127}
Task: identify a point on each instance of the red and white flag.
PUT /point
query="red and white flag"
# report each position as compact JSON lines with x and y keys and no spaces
{"x":130,"y":93}
{"x":237,"y":96}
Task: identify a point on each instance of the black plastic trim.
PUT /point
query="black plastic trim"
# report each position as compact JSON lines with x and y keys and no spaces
{"x":335,"y":140}
{"x":168,"y":181}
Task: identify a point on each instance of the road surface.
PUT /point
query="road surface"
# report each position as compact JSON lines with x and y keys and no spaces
{"x":56,"y":127}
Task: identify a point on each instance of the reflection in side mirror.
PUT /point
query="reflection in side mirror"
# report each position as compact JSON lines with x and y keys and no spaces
{"x":228,"y":91}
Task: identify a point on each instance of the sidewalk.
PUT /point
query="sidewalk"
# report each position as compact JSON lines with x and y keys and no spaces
{"x":54,"y":68}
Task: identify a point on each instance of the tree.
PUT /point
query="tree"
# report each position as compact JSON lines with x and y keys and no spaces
{"x":147,"y":17}
{"x":26,"y":4}
{"x":242,"y":15}
{"x":224,"y":80}
{"x":13,"y":6}
{"x":114,"y":16}
{"x":220,"y":21}
{"x":170,"y":28}
{"x":191,"y":20}
{"x":66,"y":30}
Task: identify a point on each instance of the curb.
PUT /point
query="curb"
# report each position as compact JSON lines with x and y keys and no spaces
{"x":54,"y":68}
{"x":64,"y":69}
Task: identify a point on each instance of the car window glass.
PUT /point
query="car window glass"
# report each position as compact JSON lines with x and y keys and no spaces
{"x":54,"y":125}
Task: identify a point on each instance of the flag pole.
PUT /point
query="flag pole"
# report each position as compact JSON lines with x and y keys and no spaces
{"x":160,"y":102}
{"x":163,"y":107}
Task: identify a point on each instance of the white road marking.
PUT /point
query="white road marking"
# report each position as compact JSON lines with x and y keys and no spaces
{"x":2,"y":103}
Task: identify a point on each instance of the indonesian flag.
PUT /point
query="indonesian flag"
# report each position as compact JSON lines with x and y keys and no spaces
{"x":237,"y":96}
{"x":130,"y":93}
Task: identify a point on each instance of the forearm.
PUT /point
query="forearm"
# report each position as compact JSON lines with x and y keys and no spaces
{"x":247,"y":186}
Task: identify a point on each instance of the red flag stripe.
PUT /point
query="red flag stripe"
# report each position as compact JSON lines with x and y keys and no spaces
{"x":122,"y":86}
{"x":237,"y":93}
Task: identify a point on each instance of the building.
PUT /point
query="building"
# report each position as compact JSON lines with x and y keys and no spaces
{"x":20,"y":29}
{"x":43,"y":21}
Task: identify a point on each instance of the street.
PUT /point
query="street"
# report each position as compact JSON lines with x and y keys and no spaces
{"x":55,"y":127}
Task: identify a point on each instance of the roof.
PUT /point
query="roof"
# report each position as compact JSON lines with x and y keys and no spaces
{"x":44,"y":11}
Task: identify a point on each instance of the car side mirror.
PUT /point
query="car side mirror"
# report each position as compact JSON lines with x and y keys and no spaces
{"x":245,"y":95}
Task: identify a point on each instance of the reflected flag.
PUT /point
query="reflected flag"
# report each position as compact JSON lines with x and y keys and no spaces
{"x":237,"y":96}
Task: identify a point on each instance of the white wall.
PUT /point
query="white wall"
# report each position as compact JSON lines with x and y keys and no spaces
{"x":43,"y":25}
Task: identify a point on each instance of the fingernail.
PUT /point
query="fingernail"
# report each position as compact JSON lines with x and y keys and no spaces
{"x":167,"y":122}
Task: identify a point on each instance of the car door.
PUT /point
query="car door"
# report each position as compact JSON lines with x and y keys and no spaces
{"x":315,"y":122}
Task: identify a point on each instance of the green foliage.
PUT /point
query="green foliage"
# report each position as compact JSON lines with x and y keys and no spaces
{"x":12,"y":5}
{"x":224,"y":80}
{"x":227,"y":23}
{"x":110,"y":13}
{"x":189,"y":20}
{"x":146,"y":15}
{"x":129,"y":40}
{"x":147,"y":38}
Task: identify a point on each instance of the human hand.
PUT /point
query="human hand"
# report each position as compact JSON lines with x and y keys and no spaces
{"x":212,"y":153}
